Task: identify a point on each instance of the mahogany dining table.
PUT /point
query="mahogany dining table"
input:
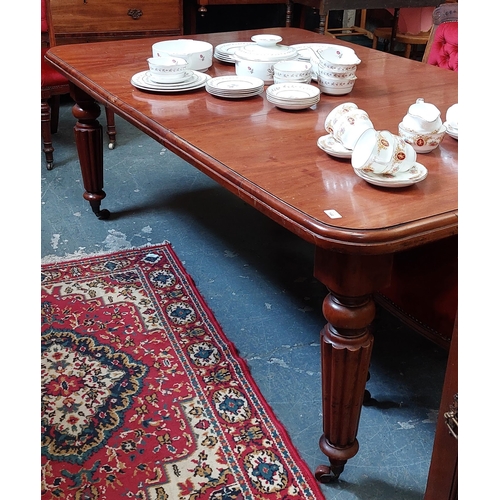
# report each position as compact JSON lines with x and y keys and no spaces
{"x":269,"y":158}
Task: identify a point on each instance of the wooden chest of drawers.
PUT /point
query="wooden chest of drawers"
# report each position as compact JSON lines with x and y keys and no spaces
{"x":78,"y":21}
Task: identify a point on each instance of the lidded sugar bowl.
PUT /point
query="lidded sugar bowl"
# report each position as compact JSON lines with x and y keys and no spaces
{"x":422,"y":126}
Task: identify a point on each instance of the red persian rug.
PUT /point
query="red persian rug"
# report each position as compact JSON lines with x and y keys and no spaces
{"x":143,"y":397}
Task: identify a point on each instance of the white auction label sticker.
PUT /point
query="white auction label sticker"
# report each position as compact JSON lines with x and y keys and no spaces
{"x":333,"y":214}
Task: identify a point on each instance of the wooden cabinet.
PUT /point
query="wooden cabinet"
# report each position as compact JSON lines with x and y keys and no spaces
{"x":78,"y":21}
{"x":442,"y":483}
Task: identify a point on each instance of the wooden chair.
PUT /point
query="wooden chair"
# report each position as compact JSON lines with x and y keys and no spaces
{"x":442,"y":46}
{"x":350,"y":30}
{"x":407,"y":39}
{"x":53,"y":86}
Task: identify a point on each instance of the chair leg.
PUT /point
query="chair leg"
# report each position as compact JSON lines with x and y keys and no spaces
{"x":46,"y":135}
{"x":408,"y":50}
{"x":111,"y":130}
{"x":54,"y":113}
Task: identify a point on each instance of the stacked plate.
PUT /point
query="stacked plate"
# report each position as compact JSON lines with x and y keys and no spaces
{"x":234,"y":86}
{"x":293,"y":95}
{"x":192,"y":80}
{"x":225,"y":51}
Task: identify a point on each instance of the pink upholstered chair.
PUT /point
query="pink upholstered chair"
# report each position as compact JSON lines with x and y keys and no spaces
{"x":442,"y":47}
{"x":53,"y":86}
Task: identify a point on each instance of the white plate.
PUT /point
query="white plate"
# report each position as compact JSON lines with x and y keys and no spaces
{"x":233,"y":95}
{"x":285,"y":105}
{"x":142,"y":82}
{"x":329,"y":145}
{"x":402,"y":179}
{"x":189,"y":77}
{"x":235,"y":83}
{"x":292,"y":92}
{"x":224,"y":52}
{"x":452,"y":132}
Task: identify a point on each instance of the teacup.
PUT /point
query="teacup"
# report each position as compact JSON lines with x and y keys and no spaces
{"x":336,"y":113}
{"x":349,"y":127}
{"x":292,"y":71}
{"x":335,"y":86}
{"x":330,"y":73}
{"x":382,"y":152}
{"x":167,"y":69}
{"x":422,"y":117}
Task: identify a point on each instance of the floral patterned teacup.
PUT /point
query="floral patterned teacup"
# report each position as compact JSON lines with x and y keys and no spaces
{"x":350,"y":126}
{"x":336,"y":113}
{"x":382,"y":152}
{"x":292,"y":71}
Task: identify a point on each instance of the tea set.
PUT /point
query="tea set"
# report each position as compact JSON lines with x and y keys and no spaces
{"x":378,"y":156}
{"x":383,"y":158}
{"x":175,"y":62}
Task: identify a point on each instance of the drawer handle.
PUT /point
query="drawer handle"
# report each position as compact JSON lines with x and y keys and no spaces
{"x":135,"y":13}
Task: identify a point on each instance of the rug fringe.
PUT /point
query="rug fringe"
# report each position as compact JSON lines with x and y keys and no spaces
{"x":54,"y":259}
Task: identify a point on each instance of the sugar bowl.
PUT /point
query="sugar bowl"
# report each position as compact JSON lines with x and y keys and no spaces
{"x":422,"y":126}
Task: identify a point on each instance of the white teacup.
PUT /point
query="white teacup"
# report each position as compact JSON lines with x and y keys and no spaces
{"x":349,"y":127}
{"x":336,"y":86}
{"x":167,"y":69}
{"x":336,"y":113}
{"x":382,"y":152}
{"x":292,"y":71}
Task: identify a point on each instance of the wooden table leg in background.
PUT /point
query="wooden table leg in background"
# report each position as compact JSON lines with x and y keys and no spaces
{"x":346,"y":346}
{"x":89,"y":136}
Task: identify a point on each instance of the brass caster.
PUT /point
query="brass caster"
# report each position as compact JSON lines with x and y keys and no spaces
{"x":324,"y":474}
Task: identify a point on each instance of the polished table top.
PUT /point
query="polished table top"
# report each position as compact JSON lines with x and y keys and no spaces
{"x":270,"y":157}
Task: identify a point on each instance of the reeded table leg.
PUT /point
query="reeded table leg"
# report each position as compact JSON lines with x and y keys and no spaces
{"x":88,"y":136}
{"x":346,"y":346}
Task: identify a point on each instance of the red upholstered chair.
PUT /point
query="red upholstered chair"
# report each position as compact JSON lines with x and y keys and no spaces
{"x":442,"y":47}
{"x":53,"y":86}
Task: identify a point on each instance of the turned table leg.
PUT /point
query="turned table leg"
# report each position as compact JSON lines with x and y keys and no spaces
{"x":346,"y":346}
{"x":88,"y":136}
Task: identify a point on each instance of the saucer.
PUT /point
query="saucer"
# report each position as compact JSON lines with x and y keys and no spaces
{"x":234,"y":86}
{"x":329,"y":145}
{"x":402,"y":179}
{"x":187,"y":77}
{"x":452,"y":132}
{"x":293,"y":95}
